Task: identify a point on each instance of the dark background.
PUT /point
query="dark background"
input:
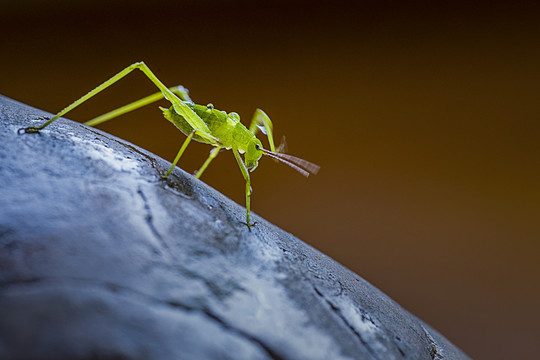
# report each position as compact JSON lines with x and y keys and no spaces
{"x":423,"y":115}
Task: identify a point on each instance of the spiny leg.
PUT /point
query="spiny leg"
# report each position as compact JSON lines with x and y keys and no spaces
{"x":245,"y":173}
{"x":213,"y":154}
{"x":182,"y":109}
{"x":260,"y":118}
{"x":96,"y":91}
{"x":178,"y":90}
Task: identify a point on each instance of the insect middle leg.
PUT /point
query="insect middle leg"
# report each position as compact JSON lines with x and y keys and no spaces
{"x":245,"y":173}
{"x":180,"y":152}
{"x":213,"y":154}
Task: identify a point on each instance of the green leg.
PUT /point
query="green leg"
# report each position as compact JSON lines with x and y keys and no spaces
{"x":213,"y":154}
{"x":260,"y":118}
{"x":245,"y":173}
{"x":178,"y":90}
{"x":180,"y":152}
{"x":182,"y":109}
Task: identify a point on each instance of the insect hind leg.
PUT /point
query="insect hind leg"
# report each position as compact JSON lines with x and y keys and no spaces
{"x":191,"y":117}
{"x":179,"y":90}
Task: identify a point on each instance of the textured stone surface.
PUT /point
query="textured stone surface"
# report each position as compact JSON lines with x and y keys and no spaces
{"x":101,"y":258}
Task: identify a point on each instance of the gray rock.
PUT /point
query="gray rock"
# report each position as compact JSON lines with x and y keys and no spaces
{"x":102,"y":259}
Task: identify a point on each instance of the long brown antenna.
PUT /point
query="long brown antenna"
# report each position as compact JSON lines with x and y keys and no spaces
{"x":295,"y":167}
{"x":294,"y":162}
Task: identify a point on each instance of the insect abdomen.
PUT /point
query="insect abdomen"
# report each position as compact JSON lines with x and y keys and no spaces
{"x":181,"y":123}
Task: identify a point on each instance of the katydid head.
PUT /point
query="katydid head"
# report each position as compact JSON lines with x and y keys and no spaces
{"x":253,"y":154}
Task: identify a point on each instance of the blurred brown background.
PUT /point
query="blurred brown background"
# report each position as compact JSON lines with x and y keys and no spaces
{"x":424,"y":117}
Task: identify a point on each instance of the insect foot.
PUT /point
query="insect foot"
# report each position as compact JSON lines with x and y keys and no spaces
{"x":249,"y":225}
{"x":28,"y":130}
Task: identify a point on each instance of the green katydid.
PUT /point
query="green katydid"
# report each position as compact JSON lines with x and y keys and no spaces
{"x":201,"y":123}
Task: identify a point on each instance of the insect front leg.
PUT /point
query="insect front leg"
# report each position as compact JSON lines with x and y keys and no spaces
{"x":260,"y":118}
{"x":245,"y":173}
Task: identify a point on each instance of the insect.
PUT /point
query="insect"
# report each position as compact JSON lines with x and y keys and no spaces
{"x":201,"y":123}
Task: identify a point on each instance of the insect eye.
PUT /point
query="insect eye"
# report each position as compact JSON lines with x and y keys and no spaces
{"x":210,"y":106}
{"x":257,"y":147}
